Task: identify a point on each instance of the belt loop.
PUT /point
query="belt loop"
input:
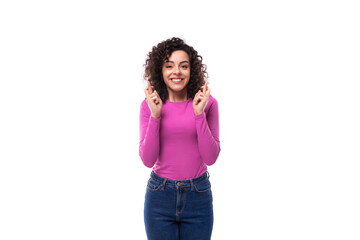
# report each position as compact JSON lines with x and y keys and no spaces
{"x":192,"y":185}
{"x":164,"y":182}
{"x":208,"y":174}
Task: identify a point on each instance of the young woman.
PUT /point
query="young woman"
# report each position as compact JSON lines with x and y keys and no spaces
{"x":179,"y":138}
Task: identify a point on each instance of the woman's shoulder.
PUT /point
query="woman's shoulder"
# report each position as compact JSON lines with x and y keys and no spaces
{"x":212,"y":103}
{"x":144,"y":106}
{"x":143,"y":102}
{"x":212,"y":100}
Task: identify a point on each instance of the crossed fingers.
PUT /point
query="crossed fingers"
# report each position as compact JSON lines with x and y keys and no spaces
{"x":151,"y":94}
{"x":203,"y":93}
{"x":205,"y":89}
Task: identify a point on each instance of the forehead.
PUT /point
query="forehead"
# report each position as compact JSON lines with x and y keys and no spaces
{"x":178,"y":56}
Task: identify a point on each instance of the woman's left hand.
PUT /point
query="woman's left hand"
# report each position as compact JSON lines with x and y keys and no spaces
{"x":201,"y":99}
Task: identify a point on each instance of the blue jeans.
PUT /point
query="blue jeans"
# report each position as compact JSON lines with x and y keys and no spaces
{"x":178,"y":210}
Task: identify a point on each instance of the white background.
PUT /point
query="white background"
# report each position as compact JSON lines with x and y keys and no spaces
{"x":286,"y":77}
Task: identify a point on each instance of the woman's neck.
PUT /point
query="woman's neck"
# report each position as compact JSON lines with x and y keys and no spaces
{"x":179,"y":97}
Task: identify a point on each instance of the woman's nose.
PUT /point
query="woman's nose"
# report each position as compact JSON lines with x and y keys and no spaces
{"x":176,"y":70}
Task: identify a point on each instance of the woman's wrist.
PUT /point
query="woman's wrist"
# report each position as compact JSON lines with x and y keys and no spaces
{"x":155,"y":115}
{"x":197,"y":113}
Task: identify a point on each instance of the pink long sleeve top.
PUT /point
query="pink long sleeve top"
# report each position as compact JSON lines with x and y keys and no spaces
{"x":179,"y":145}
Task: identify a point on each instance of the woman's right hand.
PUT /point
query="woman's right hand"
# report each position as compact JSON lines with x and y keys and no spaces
{"x":153,"y":100}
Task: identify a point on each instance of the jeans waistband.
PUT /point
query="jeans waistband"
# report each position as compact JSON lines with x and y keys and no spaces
{"x":189,"y":182}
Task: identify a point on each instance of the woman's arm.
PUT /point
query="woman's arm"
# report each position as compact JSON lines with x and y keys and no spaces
{"x":149,"y":136}
{"x":207,"y":127}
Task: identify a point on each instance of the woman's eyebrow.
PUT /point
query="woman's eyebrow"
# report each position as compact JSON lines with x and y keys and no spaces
{"x":173,"y":62}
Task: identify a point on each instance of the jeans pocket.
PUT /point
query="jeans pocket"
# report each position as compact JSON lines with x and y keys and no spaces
{"x":153,"y":185}
{"x":203,"y":186}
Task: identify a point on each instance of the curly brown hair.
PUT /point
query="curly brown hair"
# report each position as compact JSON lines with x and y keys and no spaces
{"x":161,"y":53}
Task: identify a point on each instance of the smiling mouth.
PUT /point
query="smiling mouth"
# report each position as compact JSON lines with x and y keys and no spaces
{"x":176,"y":80}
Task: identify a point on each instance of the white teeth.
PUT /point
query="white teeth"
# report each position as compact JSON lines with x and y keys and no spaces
{"x":176,"y":80}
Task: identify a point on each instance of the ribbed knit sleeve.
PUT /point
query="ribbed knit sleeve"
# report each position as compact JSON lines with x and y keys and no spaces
{"x":149,"y":136}
{"x":207,"y":127}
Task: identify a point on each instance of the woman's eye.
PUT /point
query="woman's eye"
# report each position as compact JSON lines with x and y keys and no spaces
{"x":184,"y":67}
{"x":168,"y":66}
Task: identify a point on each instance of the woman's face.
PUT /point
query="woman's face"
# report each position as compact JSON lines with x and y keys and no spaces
{"x":176,"y":72}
